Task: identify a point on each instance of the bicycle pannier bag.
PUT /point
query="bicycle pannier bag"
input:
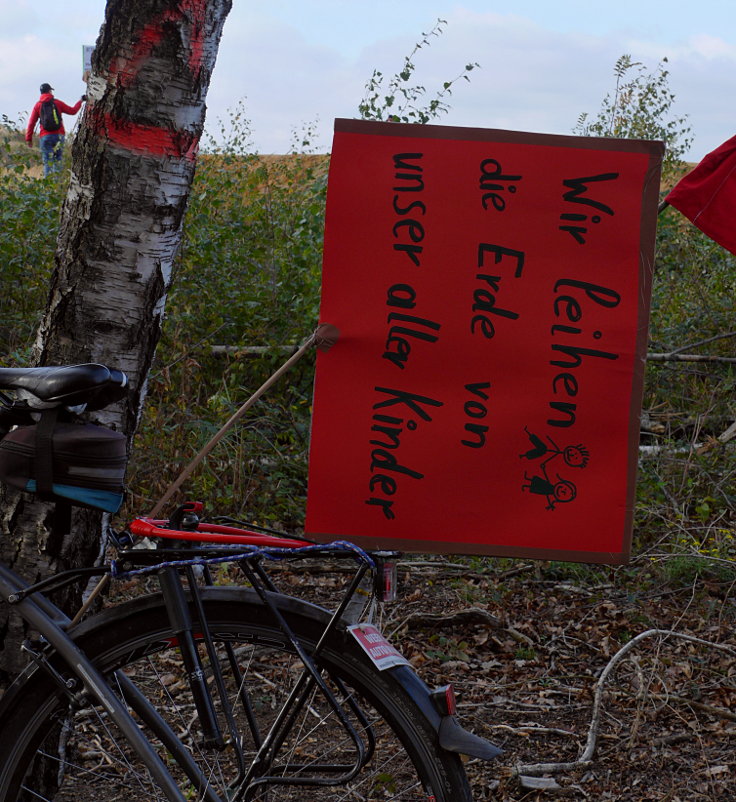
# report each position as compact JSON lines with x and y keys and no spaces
{"x":87,"y":466}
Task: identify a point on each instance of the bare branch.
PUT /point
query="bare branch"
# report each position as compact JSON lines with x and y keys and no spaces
{"x":472,"y":615}
{"x":587,"y":756}
{"x":704,"y":342}
{"x":675,"y":356}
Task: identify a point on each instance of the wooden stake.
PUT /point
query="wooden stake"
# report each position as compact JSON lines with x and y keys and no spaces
{"x":324,"y":337}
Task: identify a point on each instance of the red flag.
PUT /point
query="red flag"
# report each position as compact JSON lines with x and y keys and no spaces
{"x":707,"y":195}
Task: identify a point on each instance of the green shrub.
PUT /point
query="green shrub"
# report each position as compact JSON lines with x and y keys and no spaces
{"x":29,"y":224}
{"x":248,"y":277}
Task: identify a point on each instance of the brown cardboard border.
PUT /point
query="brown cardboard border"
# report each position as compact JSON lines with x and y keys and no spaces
{"x":407,"y":546}
{"x":343,"y":125}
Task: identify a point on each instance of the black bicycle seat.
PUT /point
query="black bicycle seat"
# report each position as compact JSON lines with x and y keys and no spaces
{"x":69,"y":385}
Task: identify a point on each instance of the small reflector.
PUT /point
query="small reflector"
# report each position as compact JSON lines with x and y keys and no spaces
{"x":387,"y":582}
{"x":444,"y":700}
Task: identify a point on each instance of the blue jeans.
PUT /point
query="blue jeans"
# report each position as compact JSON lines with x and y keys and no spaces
{"x":51,"y":147}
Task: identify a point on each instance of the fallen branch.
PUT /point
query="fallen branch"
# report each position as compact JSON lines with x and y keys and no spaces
{"x":587,"y":756}
{"x":251,"y":350}
{"x":670,"y":356}
{"x":719,"y":712}
{"x":259,"y":350}
{"x":471,"y":615}
{"x":507,"y":705}
{"x":675,"y":357}
{"x":533,"y":730}
{"x":671,"y":740}
{"x":729,"y":434}
{"x":722,"y":439}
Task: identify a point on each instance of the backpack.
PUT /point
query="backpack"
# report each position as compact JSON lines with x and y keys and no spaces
{"x":49,"y":116}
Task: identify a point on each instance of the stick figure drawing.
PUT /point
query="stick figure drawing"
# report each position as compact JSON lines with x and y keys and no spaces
{"x":545,"y":451}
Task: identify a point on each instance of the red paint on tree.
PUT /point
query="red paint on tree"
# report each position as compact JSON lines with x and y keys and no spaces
{"x":145,"y":139}
{"x":126,"y":69}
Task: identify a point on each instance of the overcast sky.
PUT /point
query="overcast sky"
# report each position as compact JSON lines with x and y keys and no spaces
{"x":296,"y":63}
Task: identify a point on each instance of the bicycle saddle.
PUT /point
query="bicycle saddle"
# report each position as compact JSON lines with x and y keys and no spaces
{"x":69,"y":385}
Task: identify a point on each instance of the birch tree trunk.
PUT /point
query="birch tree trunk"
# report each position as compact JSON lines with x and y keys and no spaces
{"x":133,"y":163}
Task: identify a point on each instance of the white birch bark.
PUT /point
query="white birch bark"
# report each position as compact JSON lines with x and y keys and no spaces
{"x":133,"y":163}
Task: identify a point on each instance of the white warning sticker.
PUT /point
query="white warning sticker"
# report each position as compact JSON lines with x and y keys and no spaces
{"x":381,"y":653}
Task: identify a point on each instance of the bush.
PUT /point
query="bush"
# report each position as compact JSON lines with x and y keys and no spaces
{"x":248,"y":278}
{"x":29,"y":224}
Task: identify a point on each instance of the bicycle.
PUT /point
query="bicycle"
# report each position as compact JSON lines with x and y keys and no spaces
{"x":208,"y":692}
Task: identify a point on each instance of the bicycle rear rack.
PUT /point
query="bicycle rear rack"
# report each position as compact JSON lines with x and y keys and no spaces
{"x":188,"y":631}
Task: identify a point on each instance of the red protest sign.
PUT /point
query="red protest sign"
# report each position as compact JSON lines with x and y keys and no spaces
{"x":491,"y":290}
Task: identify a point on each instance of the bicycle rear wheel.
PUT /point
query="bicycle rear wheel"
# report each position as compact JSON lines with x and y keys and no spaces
{"x":49,"y":751}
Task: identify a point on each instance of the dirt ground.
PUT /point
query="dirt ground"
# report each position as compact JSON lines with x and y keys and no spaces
{"x":525,"y":648}
{"x":534,"y":652}
{"x":528,"y":647}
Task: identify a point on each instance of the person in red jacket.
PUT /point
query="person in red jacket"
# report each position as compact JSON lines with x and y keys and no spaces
{"x":52,"y":142}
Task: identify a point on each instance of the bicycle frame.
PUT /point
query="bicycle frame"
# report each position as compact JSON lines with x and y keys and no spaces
{"x":190,"y":628}
{"x":257,"y":774}
{"x":51,"y":623}
{"x":57,"y":654}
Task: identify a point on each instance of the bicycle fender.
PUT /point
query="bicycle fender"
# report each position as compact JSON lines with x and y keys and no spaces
{"x":452,"y":736}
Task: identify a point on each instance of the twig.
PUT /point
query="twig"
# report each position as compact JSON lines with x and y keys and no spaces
{"x":704,"y":708}
{"x":674,"y":356}
{"x":472,"y":615}
{"x":691,"y":553}
{"x":250,"y":350}
{"x":697,"y":344}
{"x":587,"y":756}
{"x":640,"y":697}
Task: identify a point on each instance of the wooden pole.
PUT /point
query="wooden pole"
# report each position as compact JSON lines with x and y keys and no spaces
{"x":324,"y":337}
